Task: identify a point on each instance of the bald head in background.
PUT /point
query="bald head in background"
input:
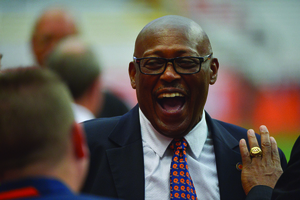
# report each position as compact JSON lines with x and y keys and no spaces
{"x":56,"y":24}
{"x":52,"y":26}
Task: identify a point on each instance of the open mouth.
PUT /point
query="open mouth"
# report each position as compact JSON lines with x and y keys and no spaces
{"x":171,"y":102}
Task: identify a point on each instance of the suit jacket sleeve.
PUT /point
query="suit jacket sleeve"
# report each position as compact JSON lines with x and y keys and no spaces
{"x":260,"y":192}
{"x":288,"y":185}
{"x":226,"y":139}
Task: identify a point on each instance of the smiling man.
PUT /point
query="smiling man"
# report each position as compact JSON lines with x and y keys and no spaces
{"x":167,"y":146}
{"x":172,"y":93}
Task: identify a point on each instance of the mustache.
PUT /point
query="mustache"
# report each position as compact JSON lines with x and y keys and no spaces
{"x":172,"y":86}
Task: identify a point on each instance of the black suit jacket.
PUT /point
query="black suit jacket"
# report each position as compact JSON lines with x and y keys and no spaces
{"x":112,"y":106}
{"x":117,"y":164}
{"x":288,"y":185}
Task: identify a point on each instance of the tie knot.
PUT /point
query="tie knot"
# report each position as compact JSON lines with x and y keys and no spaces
{"x":178,"y":144}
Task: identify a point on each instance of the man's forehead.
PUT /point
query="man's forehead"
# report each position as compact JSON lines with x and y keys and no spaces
{"x":191,"y":36}
{"x":172,"y":24}
{"x":178,"y":50}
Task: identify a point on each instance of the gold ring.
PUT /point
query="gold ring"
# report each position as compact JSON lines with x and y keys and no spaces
{"x":255,"y":152}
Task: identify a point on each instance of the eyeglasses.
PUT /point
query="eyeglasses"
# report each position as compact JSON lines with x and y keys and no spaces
{"x":182,"y":65}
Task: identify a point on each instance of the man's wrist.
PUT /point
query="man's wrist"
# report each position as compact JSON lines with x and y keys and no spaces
{"x":260,"y":192}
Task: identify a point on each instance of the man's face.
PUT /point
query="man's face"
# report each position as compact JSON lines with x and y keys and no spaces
{"x":48,"y":33}
{"x":172,"y":102}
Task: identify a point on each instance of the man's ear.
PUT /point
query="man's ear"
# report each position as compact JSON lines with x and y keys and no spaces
{"x":79,"y":142}
{"x":214,"y":68}
{"x":132,"y":73}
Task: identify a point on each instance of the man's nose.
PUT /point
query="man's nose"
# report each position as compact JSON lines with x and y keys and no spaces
{"x":170,"y":74}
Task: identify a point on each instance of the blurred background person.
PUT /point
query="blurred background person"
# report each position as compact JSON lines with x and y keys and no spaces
{"x":78,"y":67}
{"x":256,"y":42}
{"x":43,"y":151}
{"x":51,"y":27}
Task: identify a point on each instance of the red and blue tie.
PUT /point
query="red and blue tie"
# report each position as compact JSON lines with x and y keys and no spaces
{"x":181,"y":184}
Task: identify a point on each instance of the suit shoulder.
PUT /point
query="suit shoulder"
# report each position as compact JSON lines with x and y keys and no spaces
{"x":113,"y":106}
{"x":99,"y":129}
{"x":241,"y":133}
{"x":103,"y":123}
{"x":236,"y":131}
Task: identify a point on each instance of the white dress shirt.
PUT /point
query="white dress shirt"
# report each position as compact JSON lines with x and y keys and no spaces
{"x":200,"y":158}
{"x":81,"y":113}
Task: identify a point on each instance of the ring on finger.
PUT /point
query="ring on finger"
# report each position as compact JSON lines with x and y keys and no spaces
{"x":255,"y":152}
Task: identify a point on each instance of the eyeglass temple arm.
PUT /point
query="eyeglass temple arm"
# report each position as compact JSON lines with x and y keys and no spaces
{"x":207,"y":57}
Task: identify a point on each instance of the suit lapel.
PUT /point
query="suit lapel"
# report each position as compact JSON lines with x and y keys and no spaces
{"x":227,"y":154}
{"x":127,"y":164}
{"x":126,"y":161}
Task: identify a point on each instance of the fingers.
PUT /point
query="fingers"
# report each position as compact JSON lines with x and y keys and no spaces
{"x":268,"y":145}
{"x":252,"y":138}
{"x":265,"y":143}
{"x":274,"y":149}
{"x":244,"y":152}
{"x":260,"y":170}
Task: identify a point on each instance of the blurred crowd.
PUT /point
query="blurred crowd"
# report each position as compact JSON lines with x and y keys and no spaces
{"x":67,"y":62}
{"x":259,"y":61}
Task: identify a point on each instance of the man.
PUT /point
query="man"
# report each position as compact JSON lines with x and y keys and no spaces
{"x":78,"y":67}
{"x":43,"y":151}
{"x":54,"y":25}
{"x":262,"y":177}
{"x":172,"y":69}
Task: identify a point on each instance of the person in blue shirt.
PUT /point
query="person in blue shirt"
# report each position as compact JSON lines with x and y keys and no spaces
{"x":43,"y":152}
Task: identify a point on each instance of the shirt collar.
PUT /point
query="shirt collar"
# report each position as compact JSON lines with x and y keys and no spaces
{"x":81,"y":113}
{"x":159,"y":143}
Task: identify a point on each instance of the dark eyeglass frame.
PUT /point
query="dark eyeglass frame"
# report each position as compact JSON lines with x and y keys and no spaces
{"x":201,"y":60}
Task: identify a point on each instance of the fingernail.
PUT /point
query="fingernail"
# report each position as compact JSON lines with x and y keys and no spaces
{"x":242,"y":142}
{"x":263,"y":128}
{"x":272,"y":139}
{"x":251,"y":132}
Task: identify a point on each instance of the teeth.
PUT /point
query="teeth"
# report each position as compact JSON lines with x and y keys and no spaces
{"x":166,"y":95}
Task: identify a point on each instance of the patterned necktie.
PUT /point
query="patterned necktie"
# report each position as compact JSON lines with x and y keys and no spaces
{"x":181,"y":184}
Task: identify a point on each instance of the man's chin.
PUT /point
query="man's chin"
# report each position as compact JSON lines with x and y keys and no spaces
{"x":172,"y":131}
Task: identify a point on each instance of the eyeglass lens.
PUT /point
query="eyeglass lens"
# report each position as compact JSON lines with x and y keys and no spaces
{"x":181,"y":65}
